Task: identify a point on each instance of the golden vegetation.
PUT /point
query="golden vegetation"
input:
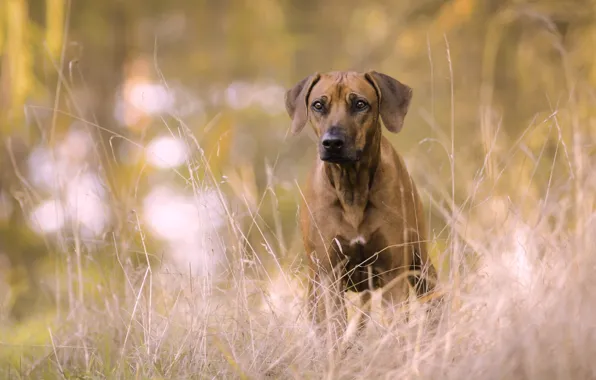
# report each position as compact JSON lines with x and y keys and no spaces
{"x":149,"y":187}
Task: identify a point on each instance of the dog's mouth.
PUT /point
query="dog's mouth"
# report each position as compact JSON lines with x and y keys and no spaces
{"x":341,"y":158}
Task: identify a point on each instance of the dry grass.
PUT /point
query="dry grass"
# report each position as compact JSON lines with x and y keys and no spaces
{"x":509,"y":319}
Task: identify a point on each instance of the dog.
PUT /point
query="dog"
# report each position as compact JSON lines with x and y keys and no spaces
{"x":361,"y":216}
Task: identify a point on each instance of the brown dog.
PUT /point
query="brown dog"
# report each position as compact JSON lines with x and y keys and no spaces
{"x":361,"y":217}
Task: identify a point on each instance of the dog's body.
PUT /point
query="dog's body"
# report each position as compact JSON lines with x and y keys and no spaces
{"x":362,"y":220}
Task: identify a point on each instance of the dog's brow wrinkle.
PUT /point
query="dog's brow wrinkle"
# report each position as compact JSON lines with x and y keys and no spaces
{"x":338,"y":90}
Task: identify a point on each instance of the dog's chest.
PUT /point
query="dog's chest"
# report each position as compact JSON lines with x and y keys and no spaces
{"x":363,"y":264}
{"x":354,"y":217}
{"x":354,"y":225}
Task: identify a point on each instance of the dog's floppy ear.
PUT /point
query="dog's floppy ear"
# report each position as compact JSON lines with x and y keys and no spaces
{"x":296,"y":99}
{"x":394,"y":99}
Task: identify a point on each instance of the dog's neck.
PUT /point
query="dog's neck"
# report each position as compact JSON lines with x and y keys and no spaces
{"x":353,"y":181}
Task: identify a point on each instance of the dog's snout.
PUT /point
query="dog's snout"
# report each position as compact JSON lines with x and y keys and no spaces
{"x":333,"y":141}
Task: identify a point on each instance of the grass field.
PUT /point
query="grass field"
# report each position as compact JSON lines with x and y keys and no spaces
{"x":513,"y":232}
{"x":524,"y":310}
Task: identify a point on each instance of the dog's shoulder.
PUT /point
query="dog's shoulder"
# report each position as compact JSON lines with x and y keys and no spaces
{"x":390,"y":160}
{"x":391,"y":174}
{"x":318,"y":187}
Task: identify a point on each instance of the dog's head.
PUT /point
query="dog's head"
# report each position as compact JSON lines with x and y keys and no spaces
{"x":344,"y":109}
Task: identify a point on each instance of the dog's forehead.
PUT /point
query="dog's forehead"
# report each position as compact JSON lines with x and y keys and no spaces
{"x":338,"y":84}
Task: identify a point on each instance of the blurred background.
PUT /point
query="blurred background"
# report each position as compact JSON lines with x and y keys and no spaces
{"x":152,"y":132}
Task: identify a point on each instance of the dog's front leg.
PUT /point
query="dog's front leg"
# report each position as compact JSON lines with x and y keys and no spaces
{"x":394,"y":294}
{"x":365,"y":309}
{"x":315,"y":302}
{"x":326,"y":304}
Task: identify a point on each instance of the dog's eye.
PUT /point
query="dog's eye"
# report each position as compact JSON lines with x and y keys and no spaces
{"x":360,"y":105}
{"x":317,"y":105}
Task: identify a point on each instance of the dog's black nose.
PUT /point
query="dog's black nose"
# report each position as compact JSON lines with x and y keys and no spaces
{"x":333,"y":142}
